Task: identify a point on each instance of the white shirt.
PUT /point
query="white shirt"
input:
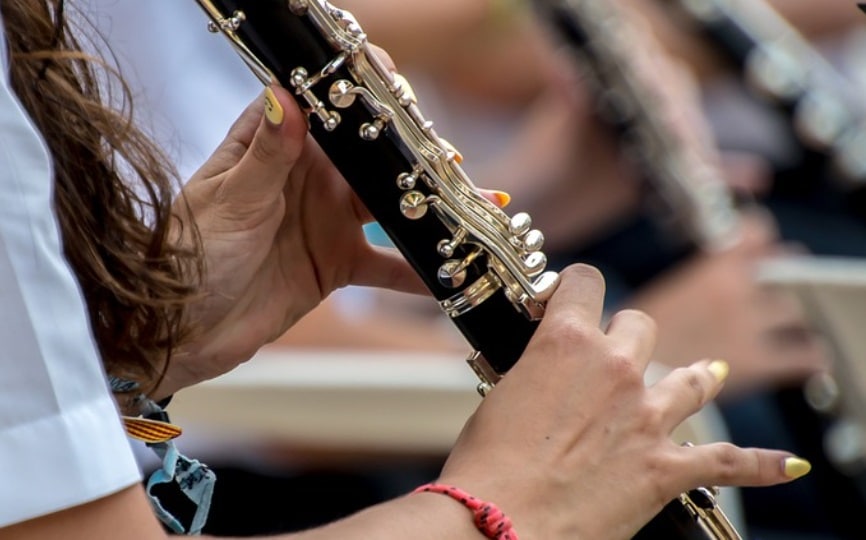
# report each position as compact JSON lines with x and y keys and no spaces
{"x":61,"y":441}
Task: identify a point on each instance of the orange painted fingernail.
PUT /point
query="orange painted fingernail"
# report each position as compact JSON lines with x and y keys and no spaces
{"x":796,"y":467}
{"x":719,"y":369}
{"x":273,"y":109}
{"x":502,"y":198}
{"x":453,"y":152}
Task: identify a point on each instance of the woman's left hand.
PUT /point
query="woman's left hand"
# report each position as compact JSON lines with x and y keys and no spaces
{"x":281,"y":230}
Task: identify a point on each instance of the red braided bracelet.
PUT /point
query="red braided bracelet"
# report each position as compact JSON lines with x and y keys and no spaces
{"x":489,"y":519}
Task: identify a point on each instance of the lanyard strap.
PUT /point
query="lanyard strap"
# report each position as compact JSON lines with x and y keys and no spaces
{"x":194,"y":479}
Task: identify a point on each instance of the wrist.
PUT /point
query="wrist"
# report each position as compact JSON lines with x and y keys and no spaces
{"x":487,"y":518}
{"x":445,"y":515}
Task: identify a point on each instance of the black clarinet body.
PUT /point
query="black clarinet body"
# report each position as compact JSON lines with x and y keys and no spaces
{"x":484,"y":268}
{"x":392,"y":169}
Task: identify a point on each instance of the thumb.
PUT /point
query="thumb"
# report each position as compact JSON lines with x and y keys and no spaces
{"x":266,"y":142}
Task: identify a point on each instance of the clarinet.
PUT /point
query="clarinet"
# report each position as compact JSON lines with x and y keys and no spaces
{"x":687,"y":193}
{"x":484,"y":268}
{"x":781,"y":66}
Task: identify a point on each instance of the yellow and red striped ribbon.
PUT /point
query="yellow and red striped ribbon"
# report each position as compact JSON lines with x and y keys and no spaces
{"x":150,"y":431}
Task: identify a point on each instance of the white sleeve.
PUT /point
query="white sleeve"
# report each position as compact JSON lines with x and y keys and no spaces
{"x":61,"y":440}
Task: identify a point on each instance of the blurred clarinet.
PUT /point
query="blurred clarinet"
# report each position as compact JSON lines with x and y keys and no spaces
{"x":485,"y":268}
{"x":826,"y":111}
{"x":687,"y":193}
{"x":824,"y":107}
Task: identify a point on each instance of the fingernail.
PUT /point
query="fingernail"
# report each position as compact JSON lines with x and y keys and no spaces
{"x":719,"y":369}
{"x":502,"y":198}
{"x":796,"y":467}
{"x":273,"y":109}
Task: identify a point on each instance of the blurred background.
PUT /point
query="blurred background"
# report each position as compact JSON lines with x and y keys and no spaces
{"x":708,"y":156}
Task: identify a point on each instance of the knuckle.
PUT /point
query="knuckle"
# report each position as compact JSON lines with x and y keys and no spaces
{"x":232,"y":151}
{"x":570,"y":332}
{"x":262,"y":151}
{"x":696,"y":386}
{"x":652,"y":418}
{"x":561,"y":338}
{"x":660,"y":469}
{"x":727,"y":462}
{"x":623,"y":367}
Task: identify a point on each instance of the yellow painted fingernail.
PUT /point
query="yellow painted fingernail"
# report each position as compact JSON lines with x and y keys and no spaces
{"x":273,"y":109}
{"x":502,"y":198}
{"x":796,"y":467}
{"x":719,"y":369}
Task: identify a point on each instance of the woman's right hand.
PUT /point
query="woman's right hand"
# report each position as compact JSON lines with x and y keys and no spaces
{"x":571,"y":443}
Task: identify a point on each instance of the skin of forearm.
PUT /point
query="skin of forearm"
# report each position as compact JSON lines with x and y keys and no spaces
{"x":422,"y":516}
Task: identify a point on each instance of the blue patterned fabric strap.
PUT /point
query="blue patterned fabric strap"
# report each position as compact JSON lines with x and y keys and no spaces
{"x":194,"y":479}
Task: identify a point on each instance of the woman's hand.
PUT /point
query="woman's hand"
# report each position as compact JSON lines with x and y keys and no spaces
{"x":281,"y":230}
{"x":573,"y":444}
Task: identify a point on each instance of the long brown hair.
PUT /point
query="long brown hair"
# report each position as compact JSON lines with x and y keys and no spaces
{"x":113,"y":191}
